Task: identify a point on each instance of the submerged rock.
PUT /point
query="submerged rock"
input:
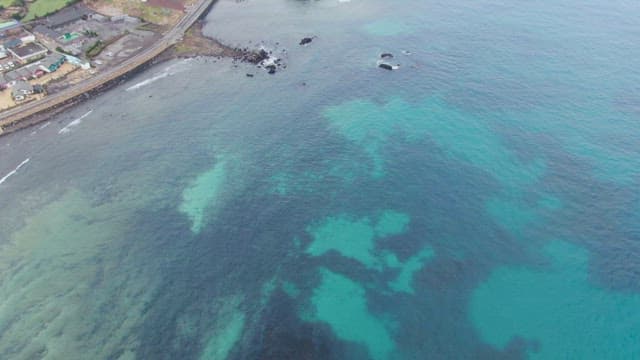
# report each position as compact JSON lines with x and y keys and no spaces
{"x":386,"y":55}
{"x":306,"y":40}
{"x":385,"y":66}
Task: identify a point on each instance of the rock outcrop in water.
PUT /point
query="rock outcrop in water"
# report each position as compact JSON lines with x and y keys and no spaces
{"x":306,"y":41}
{"x":255,"y":57}
{"x":271,"y":69}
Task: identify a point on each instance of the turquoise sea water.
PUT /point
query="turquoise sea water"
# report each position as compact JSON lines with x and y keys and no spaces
{"x":479,"y":202}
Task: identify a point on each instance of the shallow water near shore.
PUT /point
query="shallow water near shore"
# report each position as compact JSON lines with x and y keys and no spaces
{"x":479,"y":202}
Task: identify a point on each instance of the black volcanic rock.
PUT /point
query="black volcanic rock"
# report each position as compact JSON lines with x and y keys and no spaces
{"x":271,"y":68}
{"x":256,"y":57}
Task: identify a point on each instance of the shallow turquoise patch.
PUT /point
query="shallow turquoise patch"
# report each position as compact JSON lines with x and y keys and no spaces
{"x":201,"y":194}
{"x":342,"y":303}
{"x":365,"y":124}
{"x":404,"y":281}
{"x":463,"y":136}
{"x":559,"y":307}
{"x":351,"y":238}
{"x":290,"y":289}
{"x":229,"y":325}
{"x":510,"y":215}
{"x":355,"y":238}
{"x":514,"y":216}
{"x":392,"y":223}
{"x":267,"y":290}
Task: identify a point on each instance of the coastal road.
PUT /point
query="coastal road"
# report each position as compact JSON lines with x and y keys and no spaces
{"x":168,"y":39}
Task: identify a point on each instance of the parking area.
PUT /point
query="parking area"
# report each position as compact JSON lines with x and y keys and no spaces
{"x":8,"y":64}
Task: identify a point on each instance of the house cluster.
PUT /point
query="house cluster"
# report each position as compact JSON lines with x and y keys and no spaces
{"x":45,"y":65}
{"x":17,"y":79}
{"x":19,"y":45}
{"x":72,"y":35}
{"x":23,"y":58}
{"x":28,"y":55}
{"x":23,"y":89}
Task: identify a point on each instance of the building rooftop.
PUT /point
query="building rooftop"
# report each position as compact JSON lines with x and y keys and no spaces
{"x":17,"y":74}
{"x":51,"y":59}
{"x":22,"y":85}
{"x":28,"y":50}
{"x":11,"y":24}
{"x":16,"y":38}
{"x":46,"y":31}
{"x":12,"y":43}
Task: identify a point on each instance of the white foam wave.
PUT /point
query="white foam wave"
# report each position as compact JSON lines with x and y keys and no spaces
{"x":148,"y":81}
{"x":12,"y":172}
{"x":168,"y":71}
{"x":75,"y":122}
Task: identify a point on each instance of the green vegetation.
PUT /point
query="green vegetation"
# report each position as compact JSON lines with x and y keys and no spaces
{"x":95,"y":49}
{"x":62,"y":51}
{"x":42,"y":8}
{"x":9,"y":3}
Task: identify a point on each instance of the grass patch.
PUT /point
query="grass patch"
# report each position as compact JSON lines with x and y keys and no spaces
{"x":6,"y":3}
{"x":95,"y":49}
{"x":41,"y":8}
